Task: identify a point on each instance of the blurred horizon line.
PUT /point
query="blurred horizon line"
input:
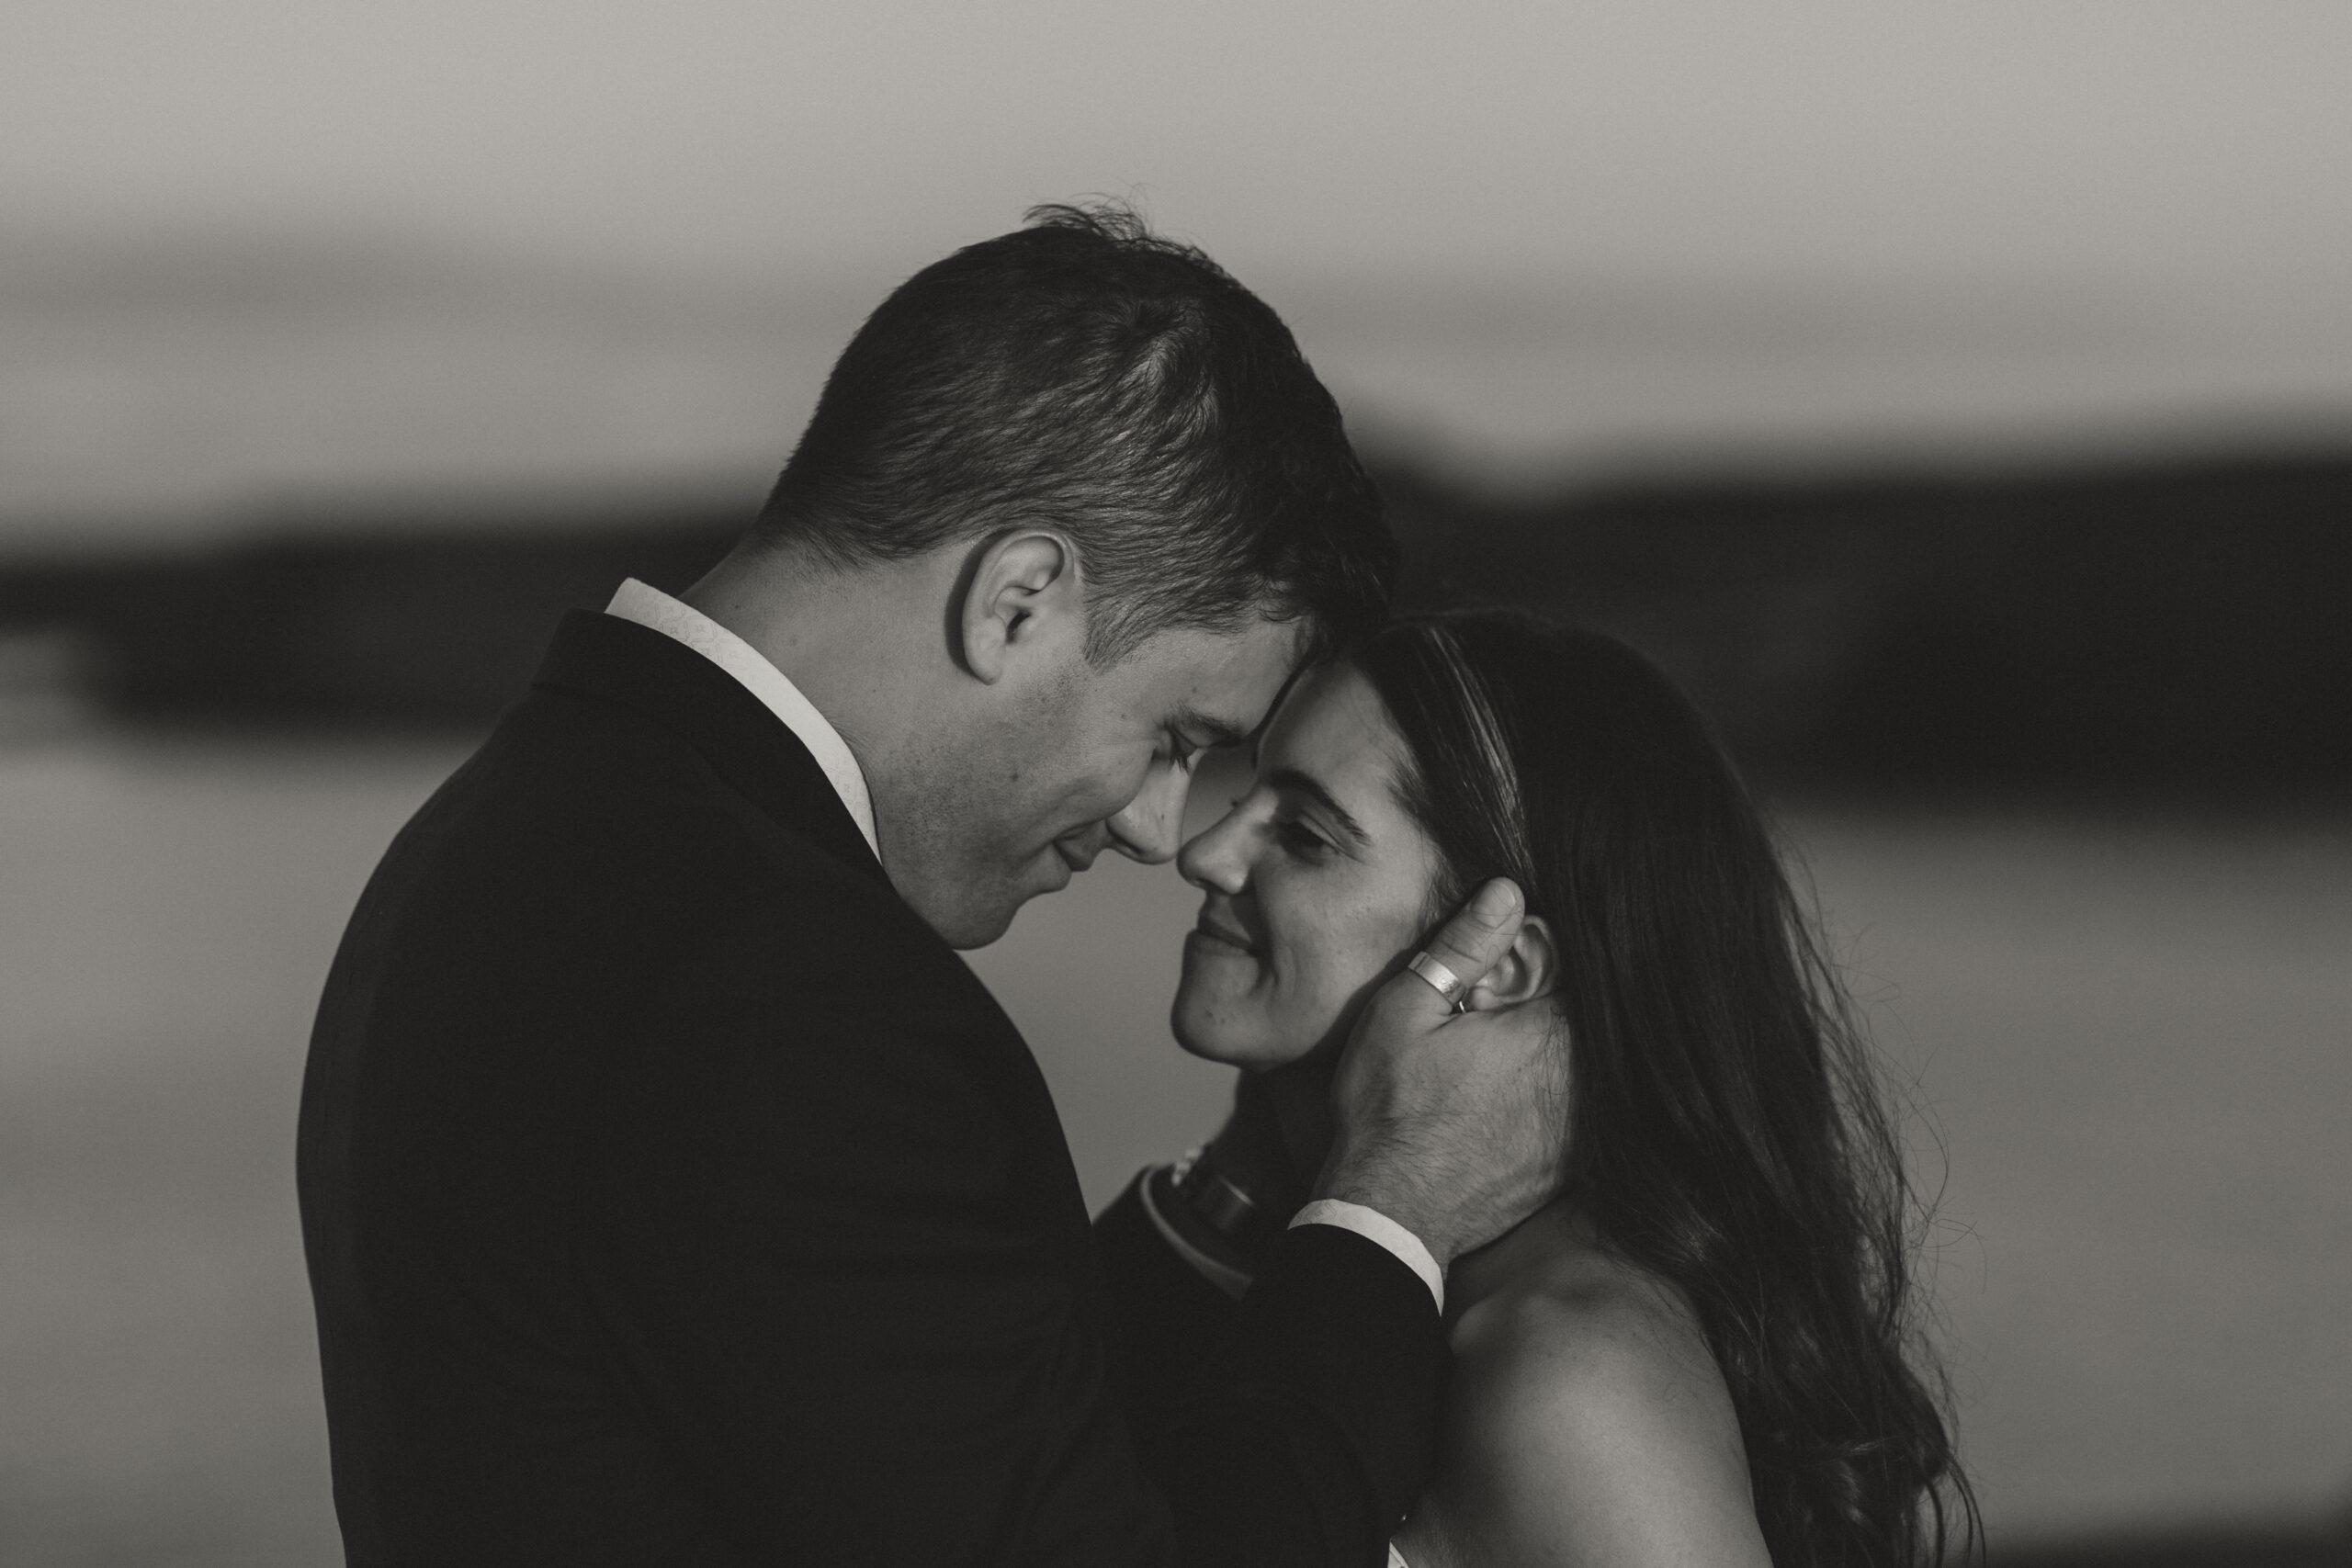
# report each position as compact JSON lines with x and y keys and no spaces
{"x":2170,"y":628}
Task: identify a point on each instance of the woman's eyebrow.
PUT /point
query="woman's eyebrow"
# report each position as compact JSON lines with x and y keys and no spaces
{"x":1312,"y":787}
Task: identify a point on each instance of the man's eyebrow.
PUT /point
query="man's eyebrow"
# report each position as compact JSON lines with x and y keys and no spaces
{"x":1208,"y":728}
{"x":1312,"y":787}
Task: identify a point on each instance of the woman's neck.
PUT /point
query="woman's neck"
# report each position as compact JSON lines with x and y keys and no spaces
{"x":1299,"y":1096}
{"x":1557,"y":1231}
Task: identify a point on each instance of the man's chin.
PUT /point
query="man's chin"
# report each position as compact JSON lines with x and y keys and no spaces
{"x":966,"y":919}
{"x":977,"y":924}
{"x":962,"y":921}
{"x":968,"y":929}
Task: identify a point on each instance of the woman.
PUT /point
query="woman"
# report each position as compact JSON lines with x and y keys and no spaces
{"x":1698,"y":1353}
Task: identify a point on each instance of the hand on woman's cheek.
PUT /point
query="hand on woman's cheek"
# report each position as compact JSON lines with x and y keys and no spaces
{"x":1314,"y":883}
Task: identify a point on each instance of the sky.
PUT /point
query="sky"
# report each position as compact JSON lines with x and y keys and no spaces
{"x":2140,"y":136}
{"x":1512,"y":231}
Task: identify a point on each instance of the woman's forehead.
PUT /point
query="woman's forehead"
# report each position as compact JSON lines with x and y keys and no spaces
{"x":1333,"y":726}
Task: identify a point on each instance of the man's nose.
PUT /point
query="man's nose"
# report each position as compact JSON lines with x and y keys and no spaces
{"x":1148,"y":827}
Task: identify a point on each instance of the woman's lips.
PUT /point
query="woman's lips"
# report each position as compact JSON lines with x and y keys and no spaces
{"x":1215,"y":936}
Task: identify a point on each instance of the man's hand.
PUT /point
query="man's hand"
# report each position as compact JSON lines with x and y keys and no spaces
{"x":1454,"y":1125}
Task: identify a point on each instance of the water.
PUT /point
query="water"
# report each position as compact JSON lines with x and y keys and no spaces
{"x":2129,"y":1043}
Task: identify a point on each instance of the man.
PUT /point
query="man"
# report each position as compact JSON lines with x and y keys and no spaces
{"x":672,"y":1193}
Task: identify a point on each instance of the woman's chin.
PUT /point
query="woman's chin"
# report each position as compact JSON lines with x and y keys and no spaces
{"x":1248,"y":1059}
{"x":1215,"y":1039}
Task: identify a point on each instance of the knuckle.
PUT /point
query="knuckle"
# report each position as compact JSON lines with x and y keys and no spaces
{"x":1479,"y":923}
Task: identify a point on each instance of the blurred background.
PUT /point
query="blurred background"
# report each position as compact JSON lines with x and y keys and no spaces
{"x":1958,"y":399}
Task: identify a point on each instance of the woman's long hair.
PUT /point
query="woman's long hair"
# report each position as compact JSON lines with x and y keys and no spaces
{"x":1730,"y":1134}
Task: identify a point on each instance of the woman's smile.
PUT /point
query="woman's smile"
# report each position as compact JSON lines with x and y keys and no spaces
{"x":1218,"y":933}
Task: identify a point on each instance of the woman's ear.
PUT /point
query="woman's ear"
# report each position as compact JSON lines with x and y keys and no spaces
{"x":1531,"y":969}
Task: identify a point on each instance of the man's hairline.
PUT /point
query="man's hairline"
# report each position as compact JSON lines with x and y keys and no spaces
{"x":1313,"y":632}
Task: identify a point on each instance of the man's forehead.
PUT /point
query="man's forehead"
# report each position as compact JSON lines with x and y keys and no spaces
{"x":1221,"y":685}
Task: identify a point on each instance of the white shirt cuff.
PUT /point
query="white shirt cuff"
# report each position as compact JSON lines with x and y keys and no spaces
{"x":1377,"y":1227}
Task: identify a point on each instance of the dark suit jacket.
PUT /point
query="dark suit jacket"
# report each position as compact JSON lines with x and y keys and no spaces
{"x":673,"y":1195}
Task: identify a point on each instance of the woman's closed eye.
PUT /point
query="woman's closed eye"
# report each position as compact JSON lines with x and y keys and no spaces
{"x":1290,"y":829}
{"x":1302,"y":841}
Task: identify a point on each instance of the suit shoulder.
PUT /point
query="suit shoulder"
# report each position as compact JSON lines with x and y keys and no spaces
{"x":571,"y":793}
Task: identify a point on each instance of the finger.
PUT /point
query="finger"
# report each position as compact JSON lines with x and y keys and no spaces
{"x":1480,"y":932}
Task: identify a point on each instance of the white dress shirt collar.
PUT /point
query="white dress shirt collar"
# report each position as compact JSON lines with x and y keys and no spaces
{"x":651,"y":607}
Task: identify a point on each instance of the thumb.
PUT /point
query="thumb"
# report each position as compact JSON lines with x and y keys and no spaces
{"x":1478,"y":935}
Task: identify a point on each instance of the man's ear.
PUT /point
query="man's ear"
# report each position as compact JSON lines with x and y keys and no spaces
{"x":1531,"y":969}
{"x":1017,"y":588}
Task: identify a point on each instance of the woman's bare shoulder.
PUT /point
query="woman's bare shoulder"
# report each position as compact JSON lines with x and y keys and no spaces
{"x":1578,"y":1330}
{"x":1588,"y":1422}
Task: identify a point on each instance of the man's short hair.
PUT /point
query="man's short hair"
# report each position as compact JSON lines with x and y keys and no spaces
{"x":1086,"y":375}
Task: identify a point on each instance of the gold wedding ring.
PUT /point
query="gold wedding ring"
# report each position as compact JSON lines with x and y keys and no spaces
{"x":1447,"y":983}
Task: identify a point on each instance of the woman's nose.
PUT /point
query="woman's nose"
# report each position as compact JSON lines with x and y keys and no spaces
{"x":1217,"y":856}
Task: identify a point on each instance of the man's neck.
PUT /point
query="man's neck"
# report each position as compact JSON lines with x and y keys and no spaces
{"x":842,"y":636}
